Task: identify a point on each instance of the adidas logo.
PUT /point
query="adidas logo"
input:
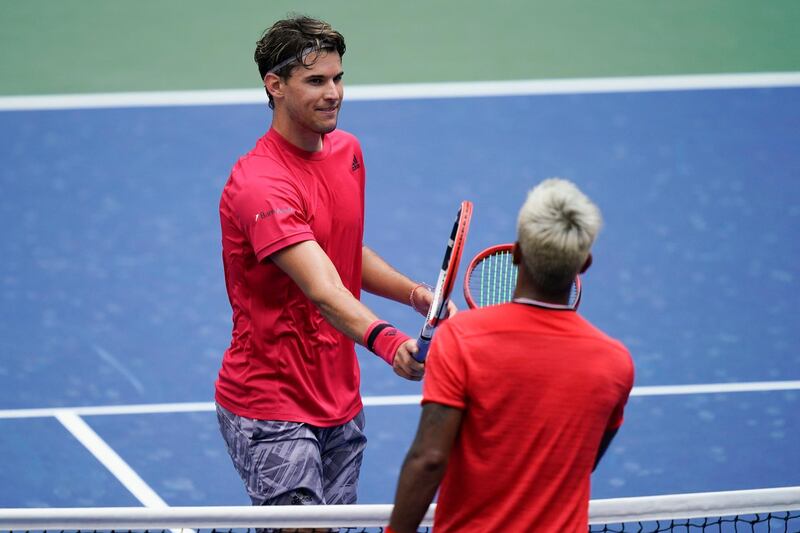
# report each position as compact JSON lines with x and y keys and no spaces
{"x":356,"y":165}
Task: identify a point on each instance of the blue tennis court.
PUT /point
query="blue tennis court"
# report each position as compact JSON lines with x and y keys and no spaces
{"x":113,"y":293}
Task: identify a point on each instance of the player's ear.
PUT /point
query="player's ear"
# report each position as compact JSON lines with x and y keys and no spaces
{"x":272,"y":82}
{"x":516,"y":254}
{"x":586,"y":264}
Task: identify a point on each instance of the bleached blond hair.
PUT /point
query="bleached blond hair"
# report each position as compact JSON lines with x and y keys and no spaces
{"x":556,"y":228}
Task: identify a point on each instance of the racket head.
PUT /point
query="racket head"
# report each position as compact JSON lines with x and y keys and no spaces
{"x":450,"y":264}
{"x":491,"y":278}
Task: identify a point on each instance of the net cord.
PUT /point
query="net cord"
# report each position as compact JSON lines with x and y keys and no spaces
{"x":694,"y":505}
{"x":287,"y":516}
{"x":610,"y":511}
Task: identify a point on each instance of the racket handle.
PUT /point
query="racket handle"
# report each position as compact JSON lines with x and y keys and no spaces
{"x":422,"y":352}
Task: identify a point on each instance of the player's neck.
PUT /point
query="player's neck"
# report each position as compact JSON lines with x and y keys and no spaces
{"x":528,"y":290}
{"x":302,"y":138}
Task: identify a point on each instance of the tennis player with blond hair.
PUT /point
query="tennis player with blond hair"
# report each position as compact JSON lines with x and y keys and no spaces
{"x":520,"y":400}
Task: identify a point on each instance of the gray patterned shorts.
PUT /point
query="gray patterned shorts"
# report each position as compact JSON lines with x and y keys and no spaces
{"x":291,"y":463}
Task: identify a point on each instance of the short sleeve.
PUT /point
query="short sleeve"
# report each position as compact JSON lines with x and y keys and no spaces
{"x":271,"y":211}
{"x":616,"y":418}
{"x":445,"y":373}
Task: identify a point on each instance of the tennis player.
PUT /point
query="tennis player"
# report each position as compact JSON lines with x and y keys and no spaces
{"x":520,"y":400}
{"x":292,"y":216}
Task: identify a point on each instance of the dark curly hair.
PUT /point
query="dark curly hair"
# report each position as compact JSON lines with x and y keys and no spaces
{"x":288,"y":42}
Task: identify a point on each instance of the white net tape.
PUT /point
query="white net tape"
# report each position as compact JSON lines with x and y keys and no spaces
{"x":618,"y":510}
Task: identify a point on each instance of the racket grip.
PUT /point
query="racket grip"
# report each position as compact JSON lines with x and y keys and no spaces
{"x":422,"y":349}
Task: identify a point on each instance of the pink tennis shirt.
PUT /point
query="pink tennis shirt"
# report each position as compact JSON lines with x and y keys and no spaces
{"x":285,"y":361}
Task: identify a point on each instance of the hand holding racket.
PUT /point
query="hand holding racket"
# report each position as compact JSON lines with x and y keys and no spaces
{"x":447,"y":278}
{"x":492,"y":277}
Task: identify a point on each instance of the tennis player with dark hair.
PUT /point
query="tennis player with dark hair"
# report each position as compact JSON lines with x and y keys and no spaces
{"x":520,"y":400}
{"x":292,"y":216}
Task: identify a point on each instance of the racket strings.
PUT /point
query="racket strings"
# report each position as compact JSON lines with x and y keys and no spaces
{"x":493,"y":279}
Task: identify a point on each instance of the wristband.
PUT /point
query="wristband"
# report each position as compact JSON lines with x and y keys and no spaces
{"x":388,"y":529}
{"x":383,"y":339}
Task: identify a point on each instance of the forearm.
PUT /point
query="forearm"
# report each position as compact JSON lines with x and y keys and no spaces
{"x":312,"y":270}
{"x":316,"y":276}
{"x":419,"y":479}
{"x":380,"y":278}
{"x":344,"y":312}
{"x":425,"y":465}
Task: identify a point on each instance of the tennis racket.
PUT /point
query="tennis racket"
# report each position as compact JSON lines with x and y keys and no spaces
{"x":492,"y":277}
{"x":447,"y":279}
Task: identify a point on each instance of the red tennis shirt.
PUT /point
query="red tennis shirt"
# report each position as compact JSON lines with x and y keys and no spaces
{"x":285,"y":361}
{"x":538,"y":389}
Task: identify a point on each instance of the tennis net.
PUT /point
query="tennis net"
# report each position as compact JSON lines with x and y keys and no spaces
{"x":767,"y":510}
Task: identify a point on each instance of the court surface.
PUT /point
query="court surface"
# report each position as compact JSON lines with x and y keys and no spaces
{"x":113,"y":293}
{"x":113,"y":312}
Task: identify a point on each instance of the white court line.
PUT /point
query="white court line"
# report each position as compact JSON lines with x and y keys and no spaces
{"x":715,"y":388}
{"x":411,"y":91}
{"x":113,"y":462}
{"x":110,"y":459}
{"x":383,"y":401}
